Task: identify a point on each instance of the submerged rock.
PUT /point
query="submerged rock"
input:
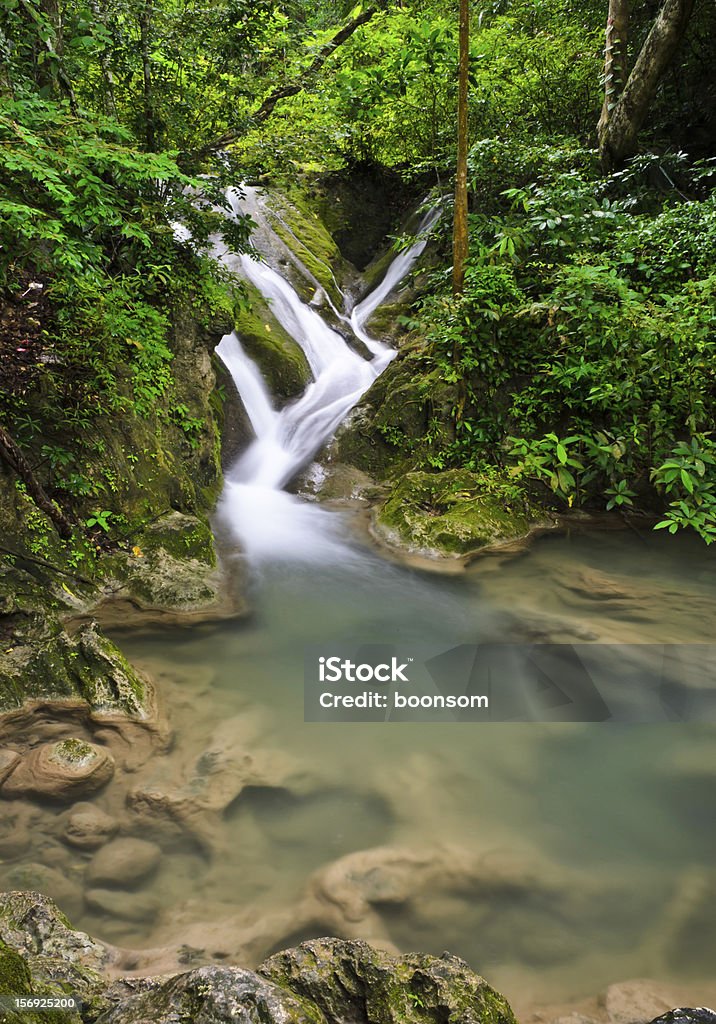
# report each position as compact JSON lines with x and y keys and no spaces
{"x":61,"y":771}
{"x":89,"y":827}
{"x":129,"y":906}
{"x":123,"y":862}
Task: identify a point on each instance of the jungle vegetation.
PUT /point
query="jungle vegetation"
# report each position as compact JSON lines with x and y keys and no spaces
{"x":580,"y":342}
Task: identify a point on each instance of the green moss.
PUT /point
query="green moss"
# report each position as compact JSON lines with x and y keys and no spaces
{"x":447,"y":513}
{"x":73,"y":751}
{"x":304,"y":233}
{"x":14,"y":973}
{"x":350,"y":980}
{"x":281,"y":360}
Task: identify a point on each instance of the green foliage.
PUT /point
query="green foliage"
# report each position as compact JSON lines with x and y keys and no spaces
{"x":582,"y":350}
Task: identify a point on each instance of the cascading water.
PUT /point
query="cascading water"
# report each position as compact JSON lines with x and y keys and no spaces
{"x":271,"y":524}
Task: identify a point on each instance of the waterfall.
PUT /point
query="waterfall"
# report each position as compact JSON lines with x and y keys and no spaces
{"x":270,"y":524}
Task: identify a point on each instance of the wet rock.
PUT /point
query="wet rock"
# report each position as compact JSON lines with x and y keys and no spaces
{"x":88,"y":827}
{"x":281,"y":360}
{"x":129,"y":906}
{"x":48,"y":665}
{"x":633,"y":1002}
{"x":123,"y":862}
{"x":447,"y":513}
{"x":9,"y":760}
{"x":210,"y":995}
{"x":58,"y":959}
{"x":61,"y":771}
{"x":52,"y":881}
{"x":687,"y":1015}
{"x":351,"y":981}
{"x":218,"y":776}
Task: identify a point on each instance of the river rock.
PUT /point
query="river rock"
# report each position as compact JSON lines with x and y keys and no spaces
{"x":123,"y":862}
{"x":633,"y":1002}
{"x":88,"y":827}
{"x":351,"y":981}
{"x":52,"y":881}
{"x":130,"y":906}
{"x":211,"y":995}
{"x":687,"y":1015}
{"x":59,"y":959}
{"x":61,"y":771}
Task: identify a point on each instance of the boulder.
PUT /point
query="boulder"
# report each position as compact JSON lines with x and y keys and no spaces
{"x":351,"y":981}
{"x":61,"y":771}
{"x":210,"y":995}
{"x":58,"y":959}
{"x":123,"y":862}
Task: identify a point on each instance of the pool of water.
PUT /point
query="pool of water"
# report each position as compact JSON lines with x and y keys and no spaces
{"x":555,"y":857}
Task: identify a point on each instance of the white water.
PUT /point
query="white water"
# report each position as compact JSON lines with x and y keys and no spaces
{"x":269,"y":523}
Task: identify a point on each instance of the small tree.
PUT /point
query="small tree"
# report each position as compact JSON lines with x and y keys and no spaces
{"x":460,"y":231}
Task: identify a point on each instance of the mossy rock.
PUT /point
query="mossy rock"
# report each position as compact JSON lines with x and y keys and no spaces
{"x":87,"y":668}
{"x":303,"y":232}
{"x":447,"y":513}
{"x":390,"y":423}
{"x":352,"y":981}
{"x":40,"y":955}
{"x":281,"y":360}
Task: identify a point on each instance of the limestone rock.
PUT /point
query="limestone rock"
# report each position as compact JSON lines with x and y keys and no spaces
{"x":88,"y":827}
{"x":123,"y":862}
{"x":211,"y":995}
{"x":54,"y":954}
{"x":130,"y":906}
{"x":351,"y":981}
{"x":61,"y":771}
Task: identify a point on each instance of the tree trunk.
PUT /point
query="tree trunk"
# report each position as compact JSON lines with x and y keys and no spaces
{"x":11,"y":454}
{"x":460,"y":237}
{"x":145,"y":37}
{"x":618,"y":133}
{"x":615,"y":58}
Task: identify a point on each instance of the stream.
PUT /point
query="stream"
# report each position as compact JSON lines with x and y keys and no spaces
{"x":556,"y":858}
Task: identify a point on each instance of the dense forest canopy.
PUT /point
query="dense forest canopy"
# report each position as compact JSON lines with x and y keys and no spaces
{"x":580,"y":353}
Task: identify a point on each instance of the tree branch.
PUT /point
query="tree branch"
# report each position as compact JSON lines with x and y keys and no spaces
{"x":298,"y":84}
{"x":12,"y":455}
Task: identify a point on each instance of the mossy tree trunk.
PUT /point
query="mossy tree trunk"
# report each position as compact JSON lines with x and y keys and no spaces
{"x":626,"y":104}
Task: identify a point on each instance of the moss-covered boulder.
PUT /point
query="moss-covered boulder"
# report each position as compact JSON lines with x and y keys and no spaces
{"x":211,"y":995}
{"x":352,"y":981}
{"x":449,"y":513}
{"x":280,"y":359}
{"x":393,"y":418}
{"x":41,"y":955}
{"x":40,"y":661}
